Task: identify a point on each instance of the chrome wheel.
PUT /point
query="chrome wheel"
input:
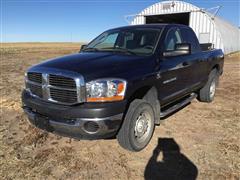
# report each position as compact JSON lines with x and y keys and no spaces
{"x":212,"y":89}
{"x":138,"y":126}
{"x":143,"y":126}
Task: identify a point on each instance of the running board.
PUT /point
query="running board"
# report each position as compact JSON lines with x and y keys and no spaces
{"x":178,"y":106}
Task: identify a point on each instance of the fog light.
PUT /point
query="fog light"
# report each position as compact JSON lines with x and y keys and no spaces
{"x":91,"y":127}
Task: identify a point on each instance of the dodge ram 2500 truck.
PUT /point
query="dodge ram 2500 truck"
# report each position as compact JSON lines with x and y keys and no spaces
{"x":122,"y":84}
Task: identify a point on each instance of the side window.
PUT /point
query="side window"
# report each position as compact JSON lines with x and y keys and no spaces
{"x":173,"y":37}
{"x":189,"y":36}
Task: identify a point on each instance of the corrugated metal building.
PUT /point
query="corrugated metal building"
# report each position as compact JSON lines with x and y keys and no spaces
{"x":208,"y":28}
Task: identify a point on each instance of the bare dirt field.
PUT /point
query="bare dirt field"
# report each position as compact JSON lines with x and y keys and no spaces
{"x":202,"y":140}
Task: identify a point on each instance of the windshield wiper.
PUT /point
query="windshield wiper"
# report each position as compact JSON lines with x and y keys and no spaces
{"x":123,"y":50}
{"x":91,"y":49}
{"x":126,"y":50}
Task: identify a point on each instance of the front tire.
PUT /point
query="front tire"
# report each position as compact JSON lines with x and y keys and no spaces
{"x":138,"y":126}
{"x":207,"y":93}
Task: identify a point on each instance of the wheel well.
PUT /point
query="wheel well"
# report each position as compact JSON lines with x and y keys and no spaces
{"x":217,"y":67}
{"x":140,"y":93}
{"x":149,"y":94}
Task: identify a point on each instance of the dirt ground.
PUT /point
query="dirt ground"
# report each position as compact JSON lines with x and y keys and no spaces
{"x":202,"y":140}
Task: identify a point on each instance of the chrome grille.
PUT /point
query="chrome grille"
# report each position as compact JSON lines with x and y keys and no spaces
{"x":35,"y":89}
{"x":56,"y":88}
{"x":35,"y":77}
{"x":61,"y":81}
{"x":60,"y":95}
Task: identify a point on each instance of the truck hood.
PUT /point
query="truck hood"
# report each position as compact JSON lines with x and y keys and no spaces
{"x":94,"y":65}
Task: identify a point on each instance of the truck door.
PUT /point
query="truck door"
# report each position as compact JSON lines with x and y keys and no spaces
{"x":197,"y":58}
{"x":175,"y":75}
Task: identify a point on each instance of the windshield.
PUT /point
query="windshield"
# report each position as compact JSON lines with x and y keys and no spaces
{"x":132,"y":41}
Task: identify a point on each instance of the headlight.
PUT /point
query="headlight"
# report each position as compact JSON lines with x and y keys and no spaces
{"x":25,"y":80}
{"x":103,"y":90}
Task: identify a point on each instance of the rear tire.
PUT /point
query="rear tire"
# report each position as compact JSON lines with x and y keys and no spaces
{"x":207,"y":93}
{"x":138,"y":126}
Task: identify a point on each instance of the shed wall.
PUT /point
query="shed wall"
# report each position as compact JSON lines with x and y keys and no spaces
{"x":230,"y":35}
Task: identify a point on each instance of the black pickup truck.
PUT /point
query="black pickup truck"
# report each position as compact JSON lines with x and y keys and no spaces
{"x":122,"y":84}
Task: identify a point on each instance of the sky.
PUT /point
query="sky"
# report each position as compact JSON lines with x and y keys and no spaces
{"x":81,"y":20}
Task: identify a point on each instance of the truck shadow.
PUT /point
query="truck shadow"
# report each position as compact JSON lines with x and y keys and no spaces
{"x":174,"y":164}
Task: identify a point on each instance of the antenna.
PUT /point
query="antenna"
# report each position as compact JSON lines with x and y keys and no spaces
{"x":213,"y":11}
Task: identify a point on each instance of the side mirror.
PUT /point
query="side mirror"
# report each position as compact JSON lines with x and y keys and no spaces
{"x":180,"y":50}
{"x":82,"y":47}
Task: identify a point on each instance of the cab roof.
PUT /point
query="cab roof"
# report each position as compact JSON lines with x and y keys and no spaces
{"x":151,"y":26}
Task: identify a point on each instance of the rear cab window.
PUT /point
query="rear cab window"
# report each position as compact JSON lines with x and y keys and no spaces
{"x":188,"y":36}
